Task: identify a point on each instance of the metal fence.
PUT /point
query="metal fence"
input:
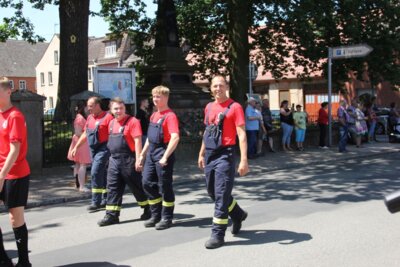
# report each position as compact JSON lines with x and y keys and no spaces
{"x":56,"y":141}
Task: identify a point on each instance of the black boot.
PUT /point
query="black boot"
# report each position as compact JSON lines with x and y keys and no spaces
{"x":146,"y":213}
{"x":237,"y":224}
{"x":151,"y":222}
{"x":163,"y":224}
{"x":108,"y":220}
{"x":214,"y":242}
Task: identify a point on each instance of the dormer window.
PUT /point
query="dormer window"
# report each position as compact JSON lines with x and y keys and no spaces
{"x":111,"y":49}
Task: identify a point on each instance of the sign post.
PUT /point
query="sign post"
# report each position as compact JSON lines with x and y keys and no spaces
{"x":341,"y":52}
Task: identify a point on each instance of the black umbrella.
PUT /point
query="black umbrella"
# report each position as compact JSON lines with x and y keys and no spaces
{"x":85,"y":95}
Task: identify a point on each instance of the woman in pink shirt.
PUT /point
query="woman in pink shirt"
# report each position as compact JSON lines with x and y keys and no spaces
{"x":82,"y":157}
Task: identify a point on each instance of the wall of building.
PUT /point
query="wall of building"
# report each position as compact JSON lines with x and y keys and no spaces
{"x":30,"y":83}
{"x":47,"y":64}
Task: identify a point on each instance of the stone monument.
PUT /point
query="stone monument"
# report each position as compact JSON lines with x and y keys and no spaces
{"x":169,"y":67}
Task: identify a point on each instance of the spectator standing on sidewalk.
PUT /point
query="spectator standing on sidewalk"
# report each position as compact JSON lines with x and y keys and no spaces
{"x":142,"y":115}
{"x":343,"y":117}
{"x":224,"y":120}
{"x":361,"y":124}
{"x":300,"y":122}
{"x":371,"y":110}
{"x":323,"y":121}
{"x":82,"y":156}
{"x":267,"y":121}
{"x":125,"y":145}
{"x":14,"y":173}
{"x":253,"y":119}
{"x":162,"y":140}
{"x":261,"y":132}
{"x":96,"y":134}
{"x":287,"y":122}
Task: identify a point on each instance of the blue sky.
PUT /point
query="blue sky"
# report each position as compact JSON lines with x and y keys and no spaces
{"x":46,"y":22}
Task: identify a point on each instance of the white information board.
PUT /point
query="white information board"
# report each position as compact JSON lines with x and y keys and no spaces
{"x":116,"y":82}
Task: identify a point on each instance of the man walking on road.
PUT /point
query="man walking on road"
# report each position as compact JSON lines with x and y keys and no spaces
{"x":96,"y":133}
{"x":162,"y":140}
{"x":224,"y":119}
{"x":125,"y":145}
{"x":14,"y":173}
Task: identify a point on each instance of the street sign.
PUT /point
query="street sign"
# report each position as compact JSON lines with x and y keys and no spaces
{"x":360,"y":50}
{"x":253,"y":71}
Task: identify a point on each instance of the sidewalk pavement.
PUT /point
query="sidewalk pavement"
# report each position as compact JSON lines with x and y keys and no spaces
{"x":56,"y":185}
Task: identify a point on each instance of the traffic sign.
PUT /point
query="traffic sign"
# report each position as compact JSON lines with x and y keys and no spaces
{"x":350,"y":51}
{"x":253,"y":71}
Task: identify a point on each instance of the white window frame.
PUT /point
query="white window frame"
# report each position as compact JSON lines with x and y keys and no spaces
{"x":12,"y":84}
{"x":42,"y":79}
{"x":50,"y":77}
{"x":22,"y":85}
{"x":56,"y":57}
{"x":110,"y":49}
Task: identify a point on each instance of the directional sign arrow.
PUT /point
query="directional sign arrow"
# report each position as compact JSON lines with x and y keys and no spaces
{"x":360,"y":50}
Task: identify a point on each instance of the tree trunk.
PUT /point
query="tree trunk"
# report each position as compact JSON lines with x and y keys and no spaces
{"x":73,"y":76}
{"x":238,"y":52}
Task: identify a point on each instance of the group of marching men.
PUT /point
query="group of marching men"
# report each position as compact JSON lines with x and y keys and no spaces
{"x":116,"y":138}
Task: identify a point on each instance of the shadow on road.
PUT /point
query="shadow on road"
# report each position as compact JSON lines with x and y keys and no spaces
{"x":354,"y":180}
{"x":257,"y":237}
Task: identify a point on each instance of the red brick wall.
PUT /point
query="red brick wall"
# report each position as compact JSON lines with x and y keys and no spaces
{"x":29,"y":81}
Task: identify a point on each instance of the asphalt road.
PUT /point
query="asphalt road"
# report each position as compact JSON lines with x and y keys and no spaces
{"x":322,"y":215}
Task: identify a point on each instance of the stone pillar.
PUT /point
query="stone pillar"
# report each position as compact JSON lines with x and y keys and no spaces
{"x":31,"y":105}
{"x":170,"y":68}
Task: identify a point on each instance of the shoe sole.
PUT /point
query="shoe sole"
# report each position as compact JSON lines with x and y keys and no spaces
{"x":102,"y":225}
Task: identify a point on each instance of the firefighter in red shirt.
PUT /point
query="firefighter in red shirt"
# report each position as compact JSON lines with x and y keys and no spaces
{"x":14,"y":173}
{"x":224,"y":119}
{"x":125,"y":145}
{"x":162,"y":140}
{"x":96,"y":133}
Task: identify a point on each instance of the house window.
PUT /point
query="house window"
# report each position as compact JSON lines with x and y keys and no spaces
{"x":42,"y":78}
{"x":89,"y":74}
{"x":50,"y":76}
{"x":12,"y":84}
{"x":51,"y":103}
{"x":22,"y":85}
{"x":56,"y":59}
{"x":111,"y":49}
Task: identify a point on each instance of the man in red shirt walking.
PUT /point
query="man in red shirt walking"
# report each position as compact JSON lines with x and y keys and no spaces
{"x":323,"y":121}
{"x":14,"y":173}
{"x":224,"y":119}
{"x":162,"y":140}
{"x":96,"y":133}
{"x":125,"y":145}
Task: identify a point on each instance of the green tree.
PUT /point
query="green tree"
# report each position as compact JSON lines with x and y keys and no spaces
{"x":74,"y":17}
{"x":313,"y":26}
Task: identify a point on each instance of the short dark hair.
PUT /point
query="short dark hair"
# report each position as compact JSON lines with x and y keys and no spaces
{"x":96,"y":99}
{"x":284,"y":102}
{"x":324,"y":104}
{"x":5,"y":83}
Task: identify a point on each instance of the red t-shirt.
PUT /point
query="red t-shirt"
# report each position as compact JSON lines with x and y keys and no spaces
{"x":170,"y":124}
{"x":103,"y":127}
{"x":233,"y":119}
{"x":323,"y":116}
{"x":13,"y":130}
{"x":132,"y":129}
